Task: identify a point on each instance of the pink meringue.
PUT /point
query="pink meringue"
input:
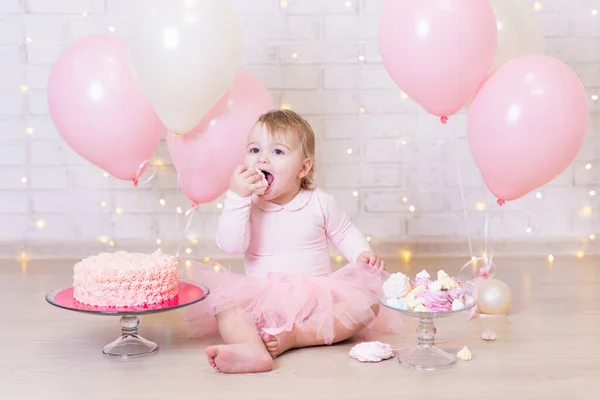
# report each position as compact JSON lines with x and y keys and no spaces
{"x":436,"y":301}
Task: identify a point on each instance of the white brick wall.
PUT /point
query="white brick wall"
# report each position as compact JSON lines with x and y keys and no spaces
{"x":321,"y":58}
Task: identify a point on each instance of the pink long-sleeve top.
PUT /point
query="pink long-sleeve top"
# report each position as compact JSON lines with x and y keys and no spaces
{"x":290,"y":238}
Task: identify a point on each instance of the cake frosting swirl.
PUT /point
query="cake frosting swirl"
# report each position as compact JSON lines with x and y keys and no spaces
{"x":123,"y":279}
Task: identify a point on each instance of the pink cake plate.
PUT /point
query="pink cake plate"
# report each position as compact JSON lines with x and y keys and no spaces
{"x":130,"y":344}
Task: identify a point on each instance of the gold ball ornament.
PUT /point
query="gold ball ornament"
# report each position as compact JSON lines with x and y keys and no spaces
{"x":494,"y":297}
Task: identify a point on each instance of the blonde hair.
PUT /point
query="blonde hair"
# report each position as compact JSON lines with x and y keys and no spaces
{"x":277,"y":121}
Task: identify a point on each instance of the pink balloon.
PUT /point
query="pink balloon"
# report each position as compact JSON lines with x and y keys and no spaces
{"x":527,"y":124}
{"x":98,"y":108}
{"x":438,"y":51}
{"x":206,"y":158}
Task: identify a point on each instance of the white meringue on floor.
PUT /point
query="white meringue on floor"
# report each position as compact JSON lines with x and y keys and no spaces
{"x":371,"y":352}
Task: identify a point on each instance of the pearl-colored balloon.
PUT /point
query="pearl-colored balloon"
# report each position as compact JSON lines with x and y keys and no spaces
{"x":494,"y":297}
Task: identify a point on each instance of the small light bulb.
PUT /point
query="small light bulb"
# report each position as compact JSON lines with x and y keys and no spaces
{"x":369,"y":238}
{"x":206,"y":259}
{"x":355,"y":193}
{"x":405,"y":199}
{"x":179,"y":210}
{"x":412,"y":208}
{"x":285,"y":107}
{"x":28,"y":39}
{"x":158,"y":162}
{"x":539,"y":195}
{"x":594,"y":97}
{"x":338,"y":259}
{"x":29,"y":130}
{"x":550,"y":258}
{"x":24,"y":179}
{"x":188,"y":263}
{"x":158,"y":241}
{"x":84,"y":14}
{"x":348,"y":4}
{"x":111,"y":29}
{"x":528,"y":229}
{"x":592,"y":237}
{"x":188,"y":251}
{"x":105,"y":174}
{"x":349,"y":151}
{"x":162,"y":202}
{"x":111,"y":243}
{"x":480,"y":206}
{"x":588,"y":166}
{"x":361,"y":58}
{"x":103,"y":239}
{"x":103,"y":204}
{"x":118,"y":210}
{"x":40,"y":224}
{"x":403,"y":95}
{"x":294,"y":56}
{"x":594,"y":12}
{"x":362,"y":110}
{"x":24,"y":88}
{"x":283,"y":3}
{"x":537,"y":6}
{"x":24,"y":255}
{"x":473,"y":258}
{"x":592,"y":193}
{"x":586,"y":211}
{"x":406,"y":255}
{"x":219,"y":206}
{"x":580,"y":254}
{"x":217,"y":268}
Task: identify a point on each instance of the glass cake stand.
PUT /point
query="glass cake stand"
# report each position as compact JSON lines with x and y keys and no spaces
{"x":130,"y":343}
{"x":427,"y":355}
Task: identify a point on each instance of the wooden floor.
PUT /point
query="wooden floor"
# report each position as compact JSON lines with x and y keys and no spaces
{"x":548,"y":348}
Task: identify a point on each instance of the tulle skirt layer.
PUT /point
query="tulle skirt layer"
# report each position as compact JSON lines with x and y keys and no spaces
{"x":280,"y":302}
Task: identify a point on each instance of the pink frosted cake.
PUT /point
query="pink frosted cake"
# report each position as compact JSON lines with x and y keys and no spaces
{"x":124,"y":279}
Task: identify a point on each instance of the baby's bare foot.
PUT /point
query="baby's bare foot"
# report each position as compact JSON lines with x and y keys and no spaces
{"x":239,"y":358}
{"x":277,"y":345}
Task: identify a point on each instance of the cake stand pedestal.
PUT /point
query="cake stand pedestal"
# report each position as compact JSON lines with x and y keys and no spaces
{"x":427,"y":355}
{"x":130,"y":343}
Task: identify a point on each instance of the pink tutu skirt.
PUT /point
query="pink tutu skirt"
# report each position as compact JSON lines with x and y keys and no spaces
{"x":280,"y":302}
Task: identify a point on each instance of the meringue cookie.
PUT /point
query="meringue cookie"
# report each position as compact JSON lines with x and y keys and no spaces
{"x":399,"y":304}
{"x":263,"y":180}
{"x":423,"y":275}
{"x":397,"y":285}
{"x":465,"y":354}
{"x":421,"y":308}
{"x":488,"y":336}
{"x":457,"y":305}
{"x":435,"y":286}
{"x":371,"y":352}
{"x":442,"y":275}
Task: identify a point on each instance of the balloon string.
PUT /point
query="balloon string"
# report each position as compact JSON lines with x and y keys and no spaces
{"x":140,"y":171}
{"x":464,"y":204}
{"x":189,"y":215}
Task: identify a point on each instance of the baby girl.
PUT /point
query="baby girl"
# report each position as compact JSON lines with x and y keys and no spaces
{"x":289,"y":297}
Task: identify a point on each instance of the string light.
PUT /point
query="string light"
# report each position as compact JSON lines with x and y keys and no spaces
{"x":550,"y":258}
{"x":539,"y":195}
{"x":369,"y":238}
{"x":283,"y":4}
{"x":217,"y":268}
{"x":118,"y":210}
{"x":188,"y":251}
{"x":84,"y":14}
{"x":362,"y":110}
{"x":401,"y":142}
{"x":480,"y":206}
{"x":188,"y":263}
{"x":403,"y":95}
{"x":162,"y":202}
{"x":348,"y":4}
{"x":105,"y":174}
{"x":219,"y":206}
{"x":405,"y":199}
{"x":406,"y":254}
{"x":29,"y":130}
{"x":528,"y":229}
{"x":592,"y":193}
{"x":586,"y":211}
{"x":111,"y":243}
{"x":588,"y":166}
{"x":24,"y":88}
{"x":338,"y":259}
{"x":592,"y":237}
{"x":40,"y":224}
{"x":24,"y":179}
{"x":295,"y":56}
{"x":179,"y":210}
{"x":158,"y":241}
{"x":103,"y":204}
{"x":412,"y":208}
{"x":594,"y":97}
{"x":28,"y":39}
{"x":361,"y":58}
{"x":24,"y":256}
{"x":158,"y":163}
{"x":537,"y":6}
{"x":473,"y":258}
{"x":594,"y":12}
{"x":206,"y":259}
{"x":580,"y":254}
{"x":285,"y":107}
{"x":103,"y":239}
{"x":111,"y":29}
{"x":355,"y":193}
{"x":349,"y":151}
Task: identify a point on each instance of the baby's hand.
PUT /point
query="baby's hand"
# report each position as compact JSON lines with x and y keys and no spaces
{"x":245,"y":182}
{"x":370,"y":258}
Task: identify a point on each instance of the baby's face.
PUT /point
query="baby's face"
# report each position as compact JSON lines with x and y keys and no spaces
{"x":280,"y":157}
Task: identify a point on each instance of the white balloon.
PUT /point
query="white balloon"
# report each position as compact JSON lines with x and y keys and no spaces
{"x":185,"y":54}
{"x":519,"y":31}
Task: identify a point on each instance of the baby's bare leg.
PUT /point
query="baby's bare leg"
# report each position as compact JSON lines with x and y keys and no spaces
{"x":297,"y":338}
{"x":243,"y":350}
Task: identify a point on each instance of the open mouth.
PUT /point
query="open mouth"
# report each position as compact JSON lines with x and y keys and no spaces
{"x":268,"y":176}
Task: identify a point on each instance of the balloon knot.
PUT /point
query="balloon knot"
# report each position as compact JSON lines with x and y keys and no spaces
{"x":501,"y":202}
{"x":444,"y":120}
{"x":135,"y":182}
{"x":194,"y":205}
